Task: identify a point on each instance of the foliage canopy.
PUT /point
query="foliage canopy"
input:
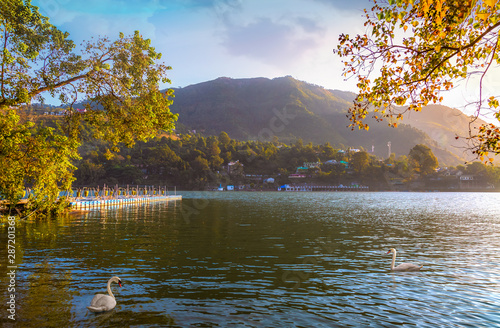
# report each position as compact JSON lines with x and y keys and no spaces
{"x":414,"y":50}
{"x":189,"y":161}
{"x":423,"y":160}
{"x":116,"y":81}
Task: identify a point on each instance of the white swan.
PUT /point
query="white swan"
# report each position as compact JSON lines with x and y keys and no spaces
{"x":102,"y":302}
{"x":402,"y":266}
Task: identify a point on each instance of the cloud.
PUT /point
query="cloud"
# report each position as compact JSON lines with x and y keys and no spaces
{"x":211,"y":4}
{"x":309,"y":25}
{"x":92,"y":18}
{"x":85,"y":26}
{"x":349,"y":5}
{"x":275,"y":43}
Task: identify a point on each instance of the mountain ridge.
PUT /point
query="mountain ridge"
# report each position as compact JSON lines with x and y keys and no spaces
{"x":262,"y":108}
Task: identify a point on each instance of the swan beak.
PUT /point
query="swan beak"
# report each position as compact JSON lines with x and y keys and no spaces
{"x":388,"y":252}
{"x":119,"y":283}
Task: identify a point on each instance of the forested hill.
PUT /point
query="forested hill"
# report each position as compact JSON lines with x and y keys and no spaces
{"x":261,"y":108}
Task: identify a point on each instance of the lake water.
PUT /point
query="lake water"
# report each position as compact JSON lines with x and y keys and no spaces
{"x":237,"y":259}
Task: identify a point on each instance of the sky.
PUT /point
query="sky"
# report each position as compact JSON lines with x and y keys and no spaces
{"x":205,"y":39}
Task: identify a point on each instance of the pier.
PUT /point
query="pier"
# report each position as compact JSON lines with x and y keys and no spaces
{"x":322,"y":188}
{"x":83,"y":204}
{"x":107,"y":196}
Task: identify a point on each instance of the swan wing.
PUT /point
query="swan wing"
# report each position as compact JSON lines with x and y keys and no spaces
{"x":102,"y":303}
{"x":96,"y":309}
{"x":407,"y":267}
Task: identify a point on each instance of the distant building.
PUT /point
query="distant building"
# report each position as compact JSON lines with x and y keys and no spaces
{"x":233,"y":167}
{"x":311,"y":165}
{"x":467,"y":182}
{"x":283,"y":187}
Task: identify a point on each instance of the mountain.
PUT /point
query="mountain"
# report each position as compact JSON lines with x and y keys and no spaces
{"x":261,"y":108}
{"x":444,"y":124}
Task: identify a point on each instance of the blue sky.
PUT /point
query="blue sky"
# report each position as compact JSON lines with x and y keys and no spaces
{"x":206,"y":39}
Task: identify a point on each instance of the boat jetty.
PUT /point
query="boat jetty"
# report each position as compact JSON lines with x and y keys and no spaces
{"x":88,"y":198}
{"x":306,"y":187}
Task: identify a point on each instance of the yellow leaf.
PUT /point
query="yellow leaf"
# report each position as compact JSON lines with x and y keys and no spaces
{"x":425,"y":7}
{"x":490,"y":3}
{"x":483,"y":16}
{"x":437,"y":48}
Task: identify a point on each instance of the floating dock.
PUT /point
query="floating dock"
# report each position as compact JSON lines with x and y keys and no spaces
{"x":82,"y":204}
{"x":322,"y":188}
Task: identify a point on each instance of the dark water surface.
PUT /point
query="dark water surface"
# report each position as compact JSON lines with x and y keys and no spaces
{"x":237,"y":259}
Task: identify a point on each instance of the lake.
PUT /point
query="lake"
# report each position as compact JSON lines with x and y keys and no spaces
{"x":265,"y":259}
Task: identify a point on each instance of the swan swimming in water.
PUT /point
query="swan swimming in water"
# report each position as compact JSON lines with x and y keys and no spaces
{"x":101,"y":302}
{"x":402,"y":266}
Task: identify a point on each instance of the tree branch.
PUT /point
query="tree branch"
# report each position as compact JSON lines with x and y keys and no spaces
{"x":6,"y":36}
{"x":58,"y":85}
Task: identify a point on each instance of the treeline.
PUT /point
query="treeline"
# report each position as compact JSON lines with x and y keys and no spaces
{"x":197,"y":162}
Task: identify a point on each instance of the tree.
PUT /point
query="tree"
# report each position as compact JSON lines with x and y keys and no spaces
{"x":420,"y":49}
{"x":360,"y":161}
{"x":33,"y":156}
{"x":476,"y":168}
{"x":213,"y":153}
{"x":117,"y":82}
{"x":423,"y":160}
{"x":200,"y":166}
{"x":327,"y":151}
{"x":89,"y":172}
{"x":224,"y":139}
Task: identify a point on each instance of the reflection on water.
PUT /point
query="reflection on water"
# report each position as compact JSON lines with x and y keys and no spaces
{"x":267,"y":260}
{"x":48,"y":287}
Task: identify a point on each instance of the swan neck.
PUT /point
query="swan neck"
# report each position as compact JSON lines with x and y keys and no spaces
{"x":109,"y":288}
{"x":393,"y":260}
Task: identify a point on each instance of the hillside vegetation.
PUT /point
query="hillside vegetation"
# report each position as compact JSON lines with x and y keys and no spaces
{"x":261,"y":109}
